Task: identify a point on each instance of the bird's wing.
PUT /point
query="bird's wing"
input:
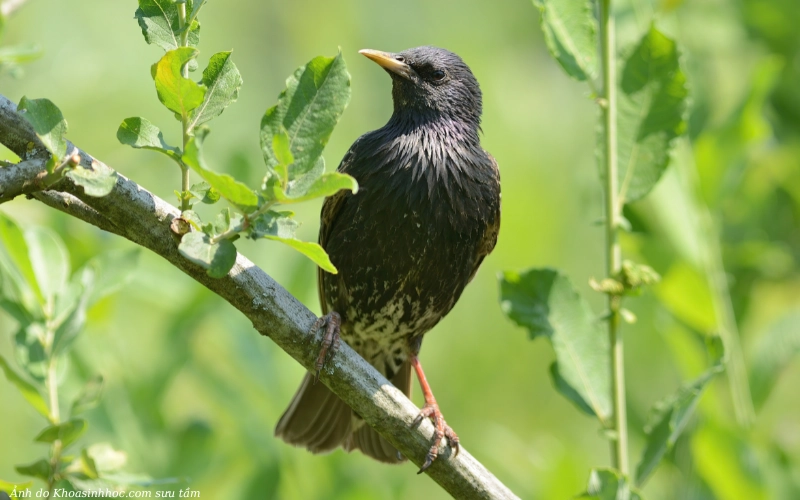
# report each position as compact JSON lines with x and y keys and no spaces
{"x":489,"y":239}
{"x":331,"y":208}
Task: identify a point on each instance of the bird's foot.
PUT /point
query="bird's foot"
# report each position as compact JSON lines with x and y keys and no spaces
{"x":441,"y":430}
{"x":332,"y":323}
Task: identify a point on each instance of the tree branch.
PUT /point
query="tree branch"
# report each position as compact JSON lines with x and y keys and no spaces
{"x":143,"y":218}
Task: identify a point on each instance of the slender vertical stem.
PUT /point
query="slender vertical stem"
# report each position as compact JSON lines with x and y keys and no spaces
{"x":619,"y":451}
{"x":185,"y":179}
{"x":51,"y":383}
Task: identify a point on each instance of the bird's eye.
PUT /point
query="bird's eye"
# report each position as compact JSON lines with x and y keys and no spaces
{"x":399,"y":58}
{"x":438,"y":75}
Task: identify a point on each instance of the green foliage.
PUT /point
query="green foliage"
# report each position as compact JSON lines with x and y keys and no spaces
{"x":160,"y":23}
{"x":12,"y":57}
{"x":570,"y":30}
{"x":29,"y":392}
{"x":293,"y":135}
{"x":547,"y":304}
{"x":66,"y":432}
{"x":138,"y":132}
{"x":650,"y":113}
{"x":48,"y":123}
{"x":307,"y":111}
{"x":177,"y":93}
{"x":668,"y":420}
{"x":222,"y":82}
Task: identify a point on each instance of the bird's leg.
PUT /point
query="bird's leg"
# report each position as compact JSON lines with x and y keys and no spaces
{"x":431,"y":410}
{"x":330,"y":339}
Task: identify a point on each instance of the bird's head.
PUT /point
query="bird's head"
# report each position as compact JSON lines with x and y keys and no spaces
{"x":431,"y":82}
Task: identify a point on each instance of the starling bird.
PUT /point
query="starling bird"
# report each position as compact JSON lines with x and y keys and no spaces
{"x":426,"y":214}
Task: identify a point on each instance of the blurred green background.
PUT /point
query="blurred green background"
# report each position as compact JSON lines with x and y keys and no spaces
{"x":192,"y":390}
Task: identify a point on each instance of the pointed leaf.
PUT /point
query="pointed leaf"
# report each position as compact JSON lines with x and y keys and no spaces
{"x":650,"y":114}
{"x":177,"y":93}
{"x":160,"y":26}
{"x":570,"y":30}
{"x":205,"y":193}
{"x":138,"y":132}
{"x":29,"y":392}
{"x":669,"y":418}
{"x":40,"y":469}
{"x":228,"y":187}
{"x":314,"y":100}
{"x":546,"y":303}
{"x":20,"y":54}
{"x":326,"y":185}
{"x":311,"y":250}
{"x":67,"y":432}
{"x":222,"y":81}
{"x":216,"y":257}
{"x":16,"y":265}
{"x":48,"y":124}
{"x":279,"y":226}
{"x":30,"y":352}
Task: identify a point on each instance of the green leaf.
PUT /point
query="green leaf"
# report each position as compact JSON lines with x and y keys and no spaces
{"x":222,"y":81}
{"x":311,"y":250}
{"x":608,"y":484}
{"x":68,"y":330}
{"x":772,"y":354}
{"x":139,"y":133}
{"x":726,"y":463}
{"x":283,"y":154}
{"x":29,"y":392}
{"x":16,"y":266}
{"x":217,"y":258}
{"x":88,"y":397}
{"x":97,"y":181}
{"x":40,"y":469}
{"x":48,"y":124}
{"x":279,"y":226}
{"x":106,"y":458}
{"x":229,"y":188}
{"x":49,"y":260}
{"x":314,"y":100}
{"x":14,"y":487}
{"x":570,"y":30}
{"x":67,"y":432}
{"x":177,"y":93}
{"x":650,"y":113}
{"x":669,"y":418}
{"x":547,"y":304}
{"x":160,"y":25}
{"x":205,"y":193}
{"x":326,"y":185}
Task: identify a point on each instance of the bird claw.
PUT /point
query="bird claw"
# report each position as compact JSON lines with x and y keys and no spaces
{"x":441,"y":430}
{"x":330,"y":339}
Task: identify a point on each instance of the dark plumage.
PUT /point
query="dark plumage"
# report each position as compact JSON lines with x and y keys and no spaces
{"x":426,"y":214}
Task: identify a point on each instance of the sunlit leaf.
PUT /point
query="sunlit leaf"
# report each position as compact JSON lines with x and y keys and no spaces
{"x":48,"y":123}
{"x":547,"y":304}
{"x":326,"y":185}
{"x":650,"y":113}
{"x":314,"y":99}
{"x":138,"y":132}
{"x":279,"y":226}
{"x":14,"y":487}
{"x":97,"y":181}
{"x":222,"y":81}
{"x":570,"y":30}
{"x":177,"y":93}
{"x":49,"y":260}
{"x":217,"y":258}
{"x":160,"y":26}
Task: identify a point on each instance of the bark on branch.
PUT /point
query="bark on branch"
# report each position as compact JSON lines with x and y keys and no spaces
{"x":143,"y":218}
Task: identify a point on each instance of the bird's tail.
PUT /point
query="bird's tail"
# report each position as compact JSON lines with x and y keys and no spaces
{"x":320,"y":422}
